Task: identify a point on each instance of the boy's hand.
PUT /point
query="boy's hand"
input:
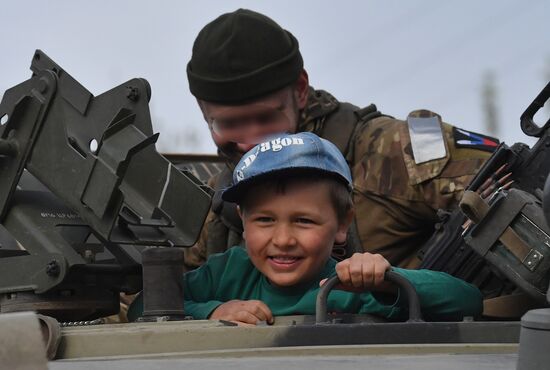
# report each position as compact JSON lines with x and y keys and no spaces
{"x":363,"y":271}
{"x":246,"y":312}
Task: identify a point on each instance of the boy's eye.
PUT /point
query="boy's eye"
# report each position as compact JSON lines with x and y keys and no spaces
{"x":304,"y":220}
{"x":264,"y":219}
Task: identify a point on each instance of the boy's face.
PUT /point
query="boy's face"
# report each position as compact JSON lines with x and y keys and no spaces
{"x":289,"y":236}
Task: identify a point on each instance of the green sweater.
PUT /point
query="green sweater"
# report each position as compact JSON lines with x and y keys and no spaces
{"x":231,"y":275}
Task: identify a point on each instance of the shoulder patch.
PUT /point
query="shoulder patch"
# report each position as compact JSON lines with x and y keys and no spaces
{"x":427,"y":138}
{"x":468,"y":139}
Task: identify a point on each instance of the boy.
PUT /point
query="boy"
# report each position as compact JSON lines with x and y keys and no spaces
{"x":294,"y":197}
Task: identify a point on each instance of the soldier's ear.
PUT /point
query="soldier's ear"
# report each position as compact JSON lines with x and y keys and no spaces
{"x":201,"y":107}
{"x":343,"y":226}
{"x":302,"y":89}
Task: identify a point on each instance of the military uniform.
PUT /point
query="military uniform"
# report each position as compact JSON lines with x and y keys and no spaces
{"x":396,"y":199}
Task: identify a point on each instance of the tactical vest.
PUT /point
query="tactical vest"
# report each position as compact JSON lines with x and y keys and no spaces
{"x":339,"y":127}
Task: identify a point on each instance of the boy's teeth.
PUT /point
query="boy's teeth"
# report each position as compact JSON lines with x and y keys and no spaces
{"x":285,"y":258}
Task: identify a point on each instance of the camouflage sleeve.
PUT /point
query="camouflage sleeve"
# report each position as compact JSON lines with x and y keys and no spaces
{"x":396,"y":200}
{"x":196,"y":255}
{"x":400,"y":227}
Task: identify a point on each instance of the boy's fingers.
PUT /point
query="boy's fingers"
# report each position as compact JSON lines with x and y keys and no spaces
{"x":367,"y":265}
{"x":342,"y":270}
{"x":246,"y":317}
{"x":379,"y":271}
{"x":249,"y":312}
{"x":362,"y":272}
{"x":380,"y":267}
{"x":243,"y":323}
{"x":356,"y":271}
{"x":262,"y":312}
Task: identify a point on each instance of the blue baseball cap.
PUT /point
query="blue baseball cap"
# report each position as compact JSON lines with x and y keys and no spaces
{"x":292,"y":153}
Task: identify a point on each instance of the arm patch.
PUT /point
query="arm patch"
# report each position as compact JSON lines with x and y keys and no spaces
{"x":472,"y":140}
{"x":427,"y":138}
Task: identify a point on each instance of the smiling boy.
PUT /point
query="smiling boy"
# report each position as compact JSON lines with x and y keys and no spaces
{"x":294,"y":197}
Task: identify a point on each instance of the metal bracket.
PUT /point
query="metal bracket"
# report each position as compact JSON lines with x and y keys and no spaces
{"x":532,"y":260}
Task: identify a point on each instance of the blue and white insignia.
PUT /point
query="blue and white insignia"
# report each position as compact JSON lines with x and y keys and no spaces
{"x":468,"y":139}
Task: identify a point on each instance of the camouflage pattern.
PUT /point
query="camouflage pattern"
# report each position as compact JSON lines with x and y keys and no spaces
{"x":396,"y":200}
{"x":399,"y":194}
{"x":196,"y":255}
{"x":320,"y":105}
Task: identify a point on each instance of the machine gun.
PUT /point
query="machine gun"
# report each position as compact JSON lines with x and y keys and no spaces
{"x":81,"y":188}
{"x":508,"y":244}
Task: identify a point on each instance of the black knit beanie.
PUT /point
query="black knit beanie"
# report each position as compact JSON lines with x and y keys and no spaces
{"x":241,"y":56}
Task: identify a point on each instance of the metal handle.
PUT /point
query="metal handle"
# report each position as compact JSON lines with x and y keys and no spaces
{"x":528,"y":126}
{"x":405,"y":285}
{"x":546,"y":211}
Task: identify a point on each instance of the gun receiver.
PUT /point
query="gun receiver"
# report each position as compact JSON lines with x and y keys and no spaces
{"x":107,"y":186}
{"x":522,"y":260}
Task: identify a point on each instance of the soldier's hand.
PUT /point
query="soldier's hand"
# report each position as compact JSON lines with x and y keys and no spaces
{"x":246,"y":312}
{"x":363,"y":271}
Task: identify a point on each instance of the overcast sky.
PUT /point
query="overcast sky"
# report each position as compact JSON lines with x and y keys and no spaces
{"x":400,"y":55}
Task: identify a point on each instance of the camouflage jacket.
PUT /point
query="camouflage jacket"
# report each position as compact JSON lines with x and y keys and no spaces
{"x":396,"y":200}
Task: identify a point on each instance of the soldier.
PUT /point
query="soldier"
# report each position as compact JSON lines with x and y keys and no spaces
{"x":248,"y":77}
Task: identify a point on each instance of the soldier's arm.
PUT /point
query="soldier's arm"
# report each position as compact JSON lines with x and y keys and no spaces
{"x":196,"y":255}
{"x":392,"y":227}
{"x":397,"y":199}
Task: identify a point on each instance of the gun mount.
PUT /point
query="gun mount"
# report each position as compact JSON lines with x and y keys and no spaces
{"x":504,"y":252}
{"x":81,"y":185}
